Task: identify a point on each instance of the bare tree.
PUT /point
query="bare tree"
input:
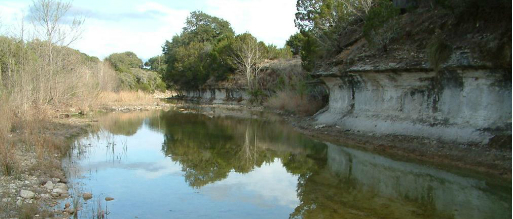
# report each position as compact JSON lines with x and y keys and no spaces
{"x":248,"y":57}
{"x":52,"y":25}
{"x":358,"y":7}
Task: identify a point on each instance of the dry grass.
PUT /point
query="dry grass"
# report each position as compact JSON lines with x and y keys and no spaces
{"x":290,"y":101}
{"x":125,"y":98}
{"x":7,"y":159}
{"x":28,"y":131}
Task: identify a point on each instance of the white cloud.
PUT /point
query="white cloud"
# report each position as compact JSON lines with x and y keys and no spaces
{"x":271,"y":21}
{"x":143,"y":27}
{"x":145,"y":38}
{"x":268,"y":185}
{"x":11,"y":14}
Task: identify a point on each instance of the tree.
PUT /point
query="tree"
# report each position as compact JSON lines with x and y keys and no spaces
{"x":203,"y":28}
{"x":123,"y":62}
{"x":248,"y":56}
{"x":156,"y":63}
{"x":294,"y":42}
{"x":359,"y":7}
{"x":47,"y":17}
{"x":199,"y":53}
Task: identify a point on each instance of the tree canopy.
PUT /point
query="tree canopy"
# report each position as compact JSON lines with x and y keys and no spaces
{"x":122,"y":62}
{"x":199,"y":52}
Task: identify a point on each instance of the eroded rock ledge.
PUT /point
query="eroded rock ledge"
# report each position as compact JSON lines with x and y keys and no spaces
{"x":467,"y":105}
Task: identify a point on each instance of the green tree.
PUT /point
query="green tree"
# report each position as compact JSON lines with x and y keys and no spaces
{"x":199,"y":53}
{"x":295,"y":42}
{"x":123,"y":62}
{"x":310,"y":51}
{"x":201,"y":27}
{"x":156,"y":63}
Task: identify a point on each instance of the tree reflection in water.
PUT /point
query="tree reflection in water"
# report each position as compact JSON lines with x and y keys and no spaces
{"x":334,"y":181}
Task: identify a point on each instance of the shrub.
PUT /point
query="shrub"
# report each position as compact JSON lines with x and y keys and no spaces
{"x":256,"y":96}
{"x":438,"y":51}
{"x":122,"y":62}
{"x":375,"y":21}
{"x":310,"y":51}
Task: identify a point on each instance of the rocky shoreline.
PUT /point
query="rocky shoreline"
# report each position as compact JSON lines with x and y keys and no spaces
{"x":39,"y":185}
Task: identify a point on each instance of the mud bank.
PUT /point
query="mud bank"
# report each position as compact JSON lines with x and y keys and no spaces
{"x":461,"y":106}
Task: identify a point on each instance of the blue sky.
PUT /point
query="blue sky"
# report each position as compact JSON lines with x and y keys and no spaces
{"x":143,"y":26}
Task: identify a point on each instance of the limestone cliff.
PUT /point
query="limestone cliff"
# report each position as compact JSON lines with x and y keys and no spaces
{"x":467,"y":99}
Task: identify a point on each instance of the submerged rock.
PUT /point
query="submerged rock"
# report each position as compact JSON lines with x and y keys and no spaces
{"x":87,"y":196}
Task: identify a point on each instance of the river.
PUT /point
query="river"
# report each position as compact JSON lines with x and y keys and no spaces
{"x":217,"y":164}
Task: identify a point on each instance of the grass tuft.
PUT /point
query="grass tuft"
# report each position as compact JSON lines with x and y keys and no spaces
{"x":293,"y":102}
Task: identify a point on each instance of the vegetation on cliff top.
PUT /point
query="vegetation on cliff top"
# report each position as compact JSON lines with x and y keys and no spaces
{"x":428,"y":29}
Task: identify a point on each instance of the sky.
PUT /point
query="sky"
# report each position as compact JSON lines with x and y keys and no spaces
{"x":113,"y":26}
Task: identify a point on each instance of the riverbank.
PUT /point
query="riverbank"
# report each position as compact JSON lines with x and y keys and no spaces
{"x":33,"y":181}
{"x":469,"y":158}
{"x":41,"y":181}
{"x":490,"y":160}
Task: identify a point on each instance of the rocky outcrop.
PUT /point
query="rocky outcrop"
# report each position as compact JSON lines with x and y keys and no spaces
{"x":460,"y":105}
{"x":217,"y":95}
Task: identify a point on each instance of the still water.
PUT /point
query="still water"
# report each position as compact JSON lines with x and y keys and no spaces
{"x":215,"y":164}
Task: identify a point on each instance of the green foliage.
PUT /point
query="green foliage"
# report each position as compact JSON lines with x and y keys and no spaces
{"x":438,"y":51}
{"x":132,"y":77}
{"x":310,"y":52}
{"x":203,"y":28}
{"x":122,"y":62}
{"x":199,"y":53}
{"x":274,"y":52}
{"x":295,"y":42}
{"x":320,"y":15}
{"x":256,"y":96}
{"x":377,"y":17}
{"x":156,"y":63}
{"x":320,"y":22}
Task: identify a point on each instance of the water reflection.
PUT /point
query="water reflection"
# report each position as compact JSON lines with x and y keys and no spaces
{"x":213,"y":165}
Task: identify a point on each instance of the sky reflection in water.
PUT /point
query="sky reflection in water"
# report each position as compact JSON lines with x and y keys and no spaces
{"x":187,"y":165}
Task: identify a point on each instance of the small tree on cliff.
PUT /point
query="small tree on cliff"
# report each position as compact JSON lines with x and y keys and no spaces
{"x":248,"y":56}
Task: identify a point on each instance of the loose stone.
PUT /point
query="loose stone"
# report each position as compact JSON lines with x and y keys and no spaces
{"x":27,"y":194}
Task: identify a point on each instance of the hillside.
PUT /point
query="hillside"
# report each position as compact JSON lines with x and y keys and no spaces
{"x":427,"y":37}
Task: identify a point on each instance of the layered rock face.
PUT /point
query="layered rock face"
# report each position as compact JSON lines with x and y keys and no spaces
{"x":465,"y":106}
{"x":218,"y":95}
